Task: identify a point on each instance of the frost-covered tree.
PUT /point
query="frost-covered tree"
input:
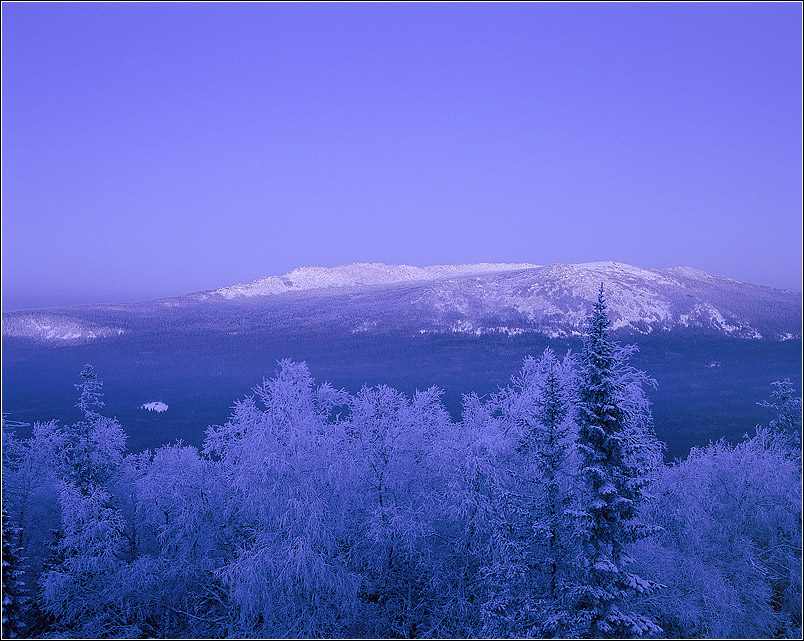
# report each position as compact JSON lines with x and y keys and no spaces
{"x":32,"y":471}
{"x":787,"y":406}
{"x":98,"y":442}
{"x":89,"y":553}
{"x":475,"y":481}
{"x":181,"y":518}
{"x":126,"y":497}
{"x":547,"y":443}
{"x":88,"y":550}
{"x":527,"y":551}
{"x":397,"y":486}
{"x":90,"y":388}
{"x":175,"y":497}
{"x":287,"y":571}
{"x":314,"y":513}
{"x":600,"y":592}
{"x":729,"y":548}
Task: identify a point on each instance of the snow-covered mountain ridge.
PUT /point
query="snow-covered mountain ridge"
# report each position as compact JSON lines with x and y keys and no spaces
{"x":484,"y":298}
{"x":554,"y":299}
{"x":358,"y":275}
{"x":369,"y":274}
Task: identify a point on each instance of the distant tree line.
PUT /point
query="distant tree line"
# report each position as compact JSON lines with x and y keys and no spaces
{"x":547,"y":511}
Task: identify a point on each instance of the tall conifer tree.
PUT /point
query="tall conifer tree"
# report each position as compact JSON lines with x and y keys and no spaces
{"x":602,"y":587}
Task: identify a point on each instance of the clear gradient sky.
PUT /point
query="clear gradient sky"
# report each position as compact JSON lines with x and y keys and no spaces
{"x":155,"y":149}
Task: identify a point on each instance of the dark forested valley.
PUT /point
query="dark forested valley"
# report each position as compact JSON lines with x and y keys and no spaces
{"x":707,"y":388}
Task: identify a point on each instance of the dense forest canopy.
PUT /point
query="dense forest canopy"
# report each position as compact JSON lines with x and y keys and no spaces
{"x":545,"y":511}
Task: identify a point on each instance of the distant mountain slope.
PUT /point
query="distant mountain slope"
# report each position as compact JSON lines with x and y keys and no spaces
{"x":483,"y":298}
{"x":357,"y":275}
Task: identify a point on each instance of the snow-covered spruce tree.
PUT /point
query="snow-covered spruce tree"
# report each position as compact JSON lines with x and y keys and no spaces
{"x":15,"y":598}
{"x":602,"y":591}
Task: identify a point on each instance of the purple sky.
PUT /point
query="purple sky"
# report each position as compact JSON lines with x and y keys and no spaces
{"x":156,"y":149}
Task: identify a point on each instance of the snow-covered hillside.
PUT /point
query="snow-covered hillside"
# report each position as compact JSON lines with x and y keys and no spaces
{"x":358,"y":275}
{"x":505,"y":298}
{"x":556,"y":300}
{"x":51,"y":327}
